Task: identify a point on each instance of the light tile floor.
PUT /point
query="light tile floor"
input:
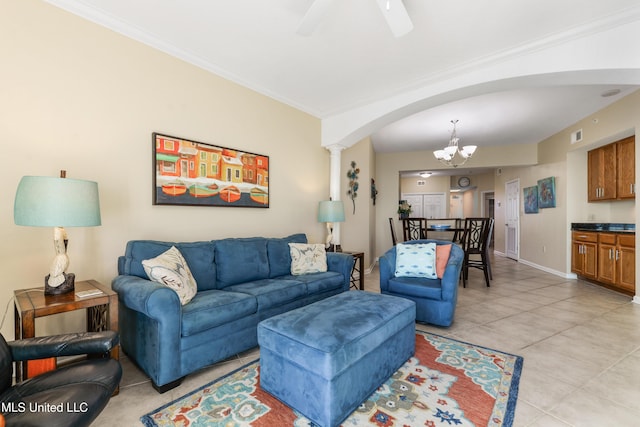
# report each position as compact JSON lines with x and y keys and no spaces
{"x":580,"y":343}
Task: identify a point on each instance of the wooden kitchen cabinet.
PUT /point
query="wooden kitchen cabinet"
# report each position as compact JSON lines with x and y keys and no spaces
{"x":611,"y":171}
{"x":584,"y":254}
{"x":626,"y":263}
{"x":626,"y":168}
{"x":602,"y":173}
{"x":607,"y":258}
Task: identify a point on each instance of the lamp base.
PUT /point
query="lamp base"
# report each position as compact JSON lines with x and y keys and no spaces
{"x":66,"y":287}
{"x":333,"y":248}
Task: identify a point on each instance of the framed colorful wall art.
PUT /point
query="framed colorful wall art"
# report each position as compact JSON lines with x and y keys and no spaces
{"x":547,"y":193}
{"x":530,"y":199}
{"x":195,"y":173}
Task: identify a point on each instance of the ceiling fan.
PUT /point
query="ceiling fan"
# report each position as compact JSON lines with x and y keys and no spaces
{"x":393,"y":11}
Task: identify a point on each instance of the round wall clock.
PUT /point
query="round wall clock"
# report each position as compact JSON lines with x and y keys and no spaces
{"x":464,"y":181}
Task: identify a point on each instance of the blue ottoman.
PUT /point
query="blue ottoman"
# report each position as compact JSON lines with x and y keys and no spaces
{"x":326,"y":358}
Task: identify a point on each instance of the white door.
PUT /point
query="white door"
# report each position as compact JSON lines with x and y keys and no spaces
{"x":456,"y":206}
{"x":415,"y":200}
{"x":433,"y":205}
{"x":512,"y":217}
{"x":426,"y":205}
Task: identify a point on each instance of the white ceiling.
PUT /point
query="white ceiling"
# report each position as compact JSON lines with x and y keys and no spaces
{"x":351,"y":59}
{"x":499,"y":118}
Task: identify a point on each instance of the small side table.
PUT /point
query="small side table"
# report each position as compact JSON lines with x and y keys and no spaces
{"x":357,"y":281}
{"x":102,"y":312}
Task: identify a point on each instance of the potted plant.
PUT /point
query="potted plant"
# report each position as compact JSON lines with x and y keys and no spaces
{"x":404,"y":209}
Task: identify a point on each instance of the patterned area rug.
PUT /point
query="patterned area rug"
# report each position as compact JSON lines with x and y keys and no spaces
{"x":446,"y":383}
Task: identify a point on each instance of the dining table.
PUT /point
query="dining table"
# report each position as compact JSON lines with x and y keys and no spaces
{"x":419,"y":228}
{"x":457,"y":232}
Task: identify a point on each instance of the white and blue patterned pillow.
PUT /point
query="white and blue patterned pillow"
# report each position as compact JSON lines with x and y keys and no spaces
{"x":417,"y":260}
{"x":307,"y":258}
{"x":171,"y":270}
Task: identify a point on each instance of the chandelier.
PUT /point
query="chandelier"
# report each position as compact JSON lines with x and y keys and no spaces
{"x":452,"y":155}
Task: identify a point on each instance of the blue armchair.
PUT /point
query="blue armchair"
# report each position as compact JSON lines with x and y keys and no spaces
{"x":435,"y":298}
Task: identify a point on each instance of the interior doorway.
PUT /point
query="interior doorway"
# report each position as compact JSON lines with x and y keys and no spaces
{"x":488,"y":210}
{"x":456,"y":205}
{"x":512,"y":219}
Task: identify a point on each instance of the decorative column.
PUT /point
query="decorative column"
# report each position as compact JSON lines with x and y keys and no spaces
{"x":334,"y":184}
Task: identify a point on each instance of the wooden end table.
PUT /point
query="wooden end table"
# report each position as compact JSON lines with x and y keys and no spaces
{"x":102,"y":314}
{"x":357,"y":282}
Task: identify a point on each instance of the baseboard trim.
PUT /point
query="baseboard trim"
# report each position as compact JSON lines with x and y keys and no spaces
{"x":540,"y":267}
{"x":372,"y":266}
{"x":549,"y":270}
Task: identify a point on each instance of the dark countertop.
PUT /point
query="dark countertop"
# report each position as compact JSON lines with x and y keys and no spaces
{"x":614,"y":227}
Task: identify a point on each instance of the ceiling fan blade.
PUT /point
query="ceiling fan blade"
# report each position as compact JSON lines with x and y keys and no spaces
{"x":314,"y":15}
{"x":397,"y":17}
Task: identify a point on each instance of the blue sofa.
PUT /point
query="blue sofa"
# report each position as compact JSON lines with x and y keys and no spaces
{"x":435,"y":298}
{"x":240,"y":282}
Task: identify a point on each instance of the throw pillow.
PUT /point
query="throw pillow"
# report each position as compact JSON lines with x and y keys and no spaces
{"x":170,"y":269}
{"x":442,"y":257}
{"x":307,"y":258}
{"x":416,"y":260}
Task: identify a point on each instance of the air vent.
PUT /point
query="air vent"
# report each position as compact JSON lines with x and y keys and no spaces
{"x":576,"y":136}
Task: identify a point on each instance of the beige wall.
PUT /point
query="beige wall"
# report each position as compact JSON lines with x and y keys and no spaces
{"x":371,"y":247}
{"x":483,"y":182}
{"x":542,"y":234}
{"x":433,"y":184}
{"x":358,"y":232}
{"x":78,"y":97}
{"x":545,"y":237}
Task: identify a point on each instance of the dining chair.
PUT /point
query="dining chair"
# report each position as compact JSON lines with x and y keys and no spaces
{"x":393,"y":232}
{"x":474,"y":244}
{"x":488,"y":246}
{"x":457,"y":235}
{"x":413,"y":228}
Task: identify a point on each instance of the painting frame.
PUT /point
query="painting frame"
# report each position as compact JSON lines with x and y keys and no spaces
{"x":530,"y":199}
{"x":547,"y":192}
{"x":194,"y":173}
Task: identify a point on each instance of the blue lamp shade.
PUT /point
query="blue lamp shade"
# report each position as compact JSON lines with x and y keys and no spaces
{"x":331,"y":211}
{"x":44,"y":201}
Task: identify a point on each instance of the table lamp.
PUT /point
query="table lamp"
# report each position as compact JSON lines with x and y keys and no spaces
{"x":331,"y":211}
{"x":43,"y":201}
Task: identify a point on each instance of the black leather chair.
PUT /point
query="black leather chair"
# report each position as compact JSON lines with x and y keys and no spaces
{"x":71,"y":395}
